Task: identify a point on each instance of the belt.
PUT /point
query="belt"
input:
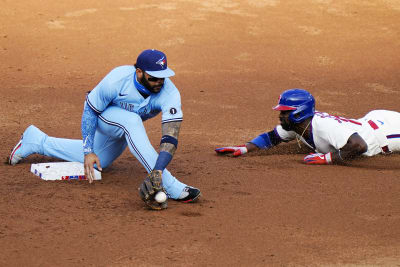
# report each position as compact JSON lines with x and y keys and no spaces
{"x":380,"y":136}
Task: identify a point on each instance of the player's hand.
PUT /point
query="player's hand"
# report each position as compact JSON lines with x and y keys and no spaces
{"x":318,"y":158}
{"x":148,"y":189}
{"x":88,"y":164}
{"x":233,"y":150}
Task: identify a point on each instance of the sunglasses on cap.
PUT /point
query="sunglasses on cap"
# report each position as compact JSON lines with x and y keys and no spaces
{"x":154,"y":79}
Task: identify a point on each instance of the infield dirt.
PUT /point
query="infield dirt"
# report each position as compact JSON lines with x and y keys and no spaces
{"x":232,"y":60}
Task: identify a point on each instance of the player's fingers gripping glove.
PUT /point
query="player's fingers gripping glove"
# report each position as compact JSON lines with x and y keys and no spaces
{"x":318,"y":158}
{"x":148,"y":189}
{"x":233,"y":150}
{"x":155,"y":177}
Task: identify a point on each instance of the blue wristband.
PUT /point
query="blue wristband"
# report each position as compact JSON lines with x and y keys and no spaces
{"x":169,"y":139}
{"x":262,"y":141}
{"x":162,"y":161}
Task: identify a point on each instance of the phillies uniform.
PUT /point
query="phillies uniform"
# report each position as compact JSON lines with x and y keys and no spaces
{"x":332,"y":137}
{"x":380,"y":129}
{"x":121,"y":104}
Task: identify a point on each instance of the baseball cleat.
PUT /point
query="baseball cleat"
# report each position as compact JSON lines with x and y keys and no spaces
{"x":27,"y":145}
{"x":14,"y":157}
{"x":189,"y":195}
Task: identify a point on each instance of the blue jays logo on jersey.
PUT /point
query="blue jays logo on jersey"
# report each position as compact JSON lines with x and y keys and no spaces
{"x":162,"y":62}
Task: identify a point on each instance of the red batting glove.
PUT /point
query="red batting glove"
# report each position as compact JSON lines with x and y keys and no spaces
{"x":234,"y":150}
{"x":318,"y":158}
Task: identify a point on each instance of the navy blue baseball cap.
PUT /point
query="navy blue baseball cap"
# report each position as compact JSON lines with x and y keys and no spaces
{"x":154,"y":63}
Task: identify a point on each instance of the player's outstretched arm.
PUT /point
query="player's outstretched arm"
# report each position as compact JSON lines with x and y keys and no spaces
{"x":152,"y":184}
{"x":168,"y":144}
{"x":170,"y":134}
{"x":88,"y":127}
{"x":263,"y":141}
{"x":236,"y":150}
{"x":354,"y":147}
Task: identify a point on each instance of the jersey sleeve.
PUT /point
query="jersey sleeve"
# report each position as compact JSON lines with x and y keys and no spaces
{"x":102,"y":95}
{"x":88,"y":127}
{"x":333,"y":131}
{"x":286,"y":136}
{"x":171,"y":106}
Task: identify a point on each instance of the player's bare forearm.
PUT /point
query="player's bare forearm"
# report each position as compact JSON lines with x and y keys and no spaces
{"x":168,"y":144}
{"x":170,"y":129}
{"x":354,"y":147}
{"x":170,"y":148}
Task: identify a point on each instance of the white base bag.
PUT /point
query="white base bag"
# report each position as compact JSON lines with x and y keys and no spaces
{"x":62,"y":171}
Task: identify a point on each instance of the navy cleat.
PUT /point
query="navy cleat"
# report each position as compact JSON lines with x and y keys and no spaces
{"x":189,"y":195}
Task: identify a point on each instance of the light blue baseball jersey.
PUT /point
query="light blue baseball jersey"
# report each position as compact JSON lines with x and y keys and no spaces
{"x":118,"y":88}
{"x":116,"y":109}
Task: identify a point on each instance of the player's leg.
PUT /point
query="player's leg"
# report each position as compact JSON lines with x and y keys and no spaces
{"x":117,"y":122}
{"x":392,"y":129}
{"x":34,"y":141}
{"x":107,"y":148}
{"x":389,"y":121}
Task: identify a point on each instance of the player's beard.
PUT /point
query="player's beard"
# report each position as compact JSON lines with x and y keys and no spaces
{"x":287,"y":125}
{"x":154,"y":89}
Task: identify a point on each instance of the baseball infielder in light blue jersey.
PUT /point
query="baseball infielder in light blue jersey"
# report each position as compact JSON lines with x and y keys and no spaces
{"x":112,"y":119}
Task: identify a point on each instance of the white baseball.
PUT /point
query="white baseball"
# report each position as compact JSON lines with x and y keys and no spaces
{"x":160,"y":197}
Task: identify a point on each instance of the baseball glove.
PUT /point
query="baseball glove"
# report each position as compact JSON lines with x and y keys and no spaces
{"x":148,"y":189}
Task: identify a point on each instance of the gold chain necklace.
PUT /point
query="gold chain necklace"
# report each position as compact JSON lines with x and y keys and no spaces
{"x":298,"y":139}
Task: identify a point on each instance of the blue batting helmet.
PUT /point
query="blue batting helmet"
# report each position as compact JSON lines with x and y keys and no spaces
{"x":300,"y":101}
